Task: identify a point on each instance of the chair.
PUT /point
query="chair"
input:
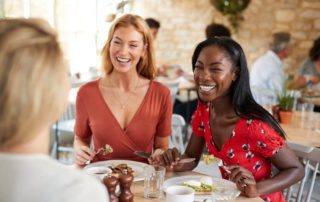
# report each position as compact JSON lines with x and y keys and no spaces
{"x":311,"y":158}
{"x":63,"y":127}
{"x":176,"y":138}
{"x":174,"y":88}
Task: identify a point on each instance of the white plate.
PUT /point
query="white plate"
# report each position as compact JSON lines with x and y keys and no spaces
{"x":230,"y":190}
{"x":136,"y":166}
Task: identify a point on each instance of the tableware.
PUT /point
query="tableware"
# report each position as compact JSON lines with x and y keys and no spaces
{"x":106,"y":149}
{"x":142,"y":154}
{"x":98,"y":171}
{"x":145,"y":155}
{"x":137,"y":167}
{"x":178,"y":193}
{"x":153,"y":181}
{"x":228,"y":187}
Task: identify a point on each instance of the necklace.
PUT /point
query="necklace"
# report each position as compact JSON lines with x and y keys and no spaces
{"x":124,"y":104}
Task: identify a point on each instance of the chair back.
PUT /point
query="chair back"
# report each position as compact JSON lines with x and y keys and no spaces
{"x":69,"y":113}
{"x":310,"y":156}
{"x":174,"y":88}
{"x":177,"y":127}
{"x":63,"y":128}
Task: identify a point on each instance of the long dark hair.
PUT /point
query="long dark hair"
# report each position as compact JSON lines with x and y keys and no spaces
{"x":243,"y":102}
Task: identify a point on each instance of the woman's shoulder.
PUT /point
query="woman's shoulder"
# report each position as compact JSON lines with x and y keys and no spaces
{"x":253,"y":127}
{"x":90,"y":84}
{"x":88,"y":87}
{"x":159,"y":87}
{"x":252,"y":123}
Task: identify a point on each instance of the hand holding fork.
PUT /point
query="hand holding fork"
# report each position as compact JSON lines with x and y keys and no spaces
{"x":106,"y":149}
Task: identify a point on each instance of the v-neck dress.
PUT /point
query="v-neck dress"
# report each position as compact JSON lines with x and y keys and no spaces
{"x":250,"y":145}
{"x":94,"y":119}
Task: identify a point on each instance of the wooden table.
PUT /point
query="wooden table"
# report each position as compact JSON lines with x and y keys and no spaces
{"x":314,"y":100}
{"x":137,"y":189}
{"x":298,"y":134}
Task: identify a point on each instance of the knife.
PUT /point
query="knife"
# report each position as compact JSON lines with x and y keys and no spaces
{"x":145,"y":155}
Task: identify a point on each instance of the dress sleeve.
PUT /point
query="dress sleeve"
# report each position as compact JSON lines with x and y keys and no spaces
{"x":199,"y":119}
{"x":264,"y":139}
{"x":81,"y":128}
{"x":165,"y":116}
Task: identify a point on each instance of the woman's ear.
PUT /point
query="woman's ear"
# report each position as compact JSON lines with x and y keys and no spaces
{"x":235,"y":75}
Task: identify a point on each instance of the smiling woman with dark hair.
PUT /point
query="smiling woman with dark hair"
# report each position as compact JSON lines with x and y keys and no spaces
{"x":234,"y":127}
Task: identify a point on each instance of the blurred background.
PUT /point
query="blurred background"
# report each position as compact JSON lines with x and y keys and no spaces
{"x":83,"y":26}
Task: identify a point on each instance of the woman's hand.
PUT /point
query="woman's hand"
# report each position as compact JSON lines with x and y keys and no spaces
{"x":167,"y":158}
{"x":244,"y":181}
{"x":156,"y":156}
{"x":83,"y":154}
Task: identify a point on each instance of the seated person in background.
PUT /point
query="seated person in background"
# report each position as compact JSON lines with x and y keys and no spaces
{"x":34,"y":92}
{"x":309,"y":72}
{"x":212,"y":30}
{"x":234,"y":127}
{"x":109,"y":110}
{"x":154,"y":26}
{"x":267,"y":75}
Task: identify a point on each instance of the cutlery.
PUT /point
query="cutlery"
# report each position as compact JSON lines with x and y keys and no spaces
{"x":142,"y":154}
{"x":219,"y":162}
{"x":106,"y":149}
{"x":147,"y":156}
{"x":209,"y":158}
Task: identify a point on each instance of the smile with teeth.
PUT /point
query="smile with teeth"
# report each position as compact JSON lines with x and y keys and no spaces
{"x":123,"y":60}
{"x":207,"y":87}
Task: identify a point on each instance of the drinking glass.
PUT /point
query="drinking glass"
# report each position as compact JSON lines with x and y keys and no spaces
{"x":153,"y":181}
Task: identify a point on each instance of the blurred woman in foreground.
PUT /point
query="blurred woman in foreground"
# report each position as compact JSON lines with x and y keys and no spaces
{"x":33,"y":94}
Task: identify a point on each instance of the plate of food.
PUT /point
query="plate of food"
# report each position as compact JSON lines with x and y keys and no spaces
{"x":117,"y":167}
{"x":206,"y":187}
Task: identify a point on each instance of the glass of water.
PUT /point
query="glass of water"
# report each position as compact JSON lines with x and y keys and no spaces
{"x":153,"y":181}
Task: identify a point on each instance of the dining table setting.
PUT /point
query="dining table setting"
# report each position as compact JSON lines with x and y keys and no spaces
{"x":129,"y":180}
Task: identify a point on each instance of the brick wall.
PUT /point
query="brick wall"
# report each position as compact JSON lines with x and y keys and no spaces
{"x":183,"y":23}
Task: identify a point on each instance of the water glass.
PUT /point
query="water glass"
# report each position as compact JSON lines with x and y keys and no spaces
{"x":307,"y":118}
{"x":153,"y":181}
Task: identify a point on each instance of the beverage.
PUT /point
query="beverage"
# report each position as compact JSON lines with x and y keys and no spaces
{"x":153,"y":181}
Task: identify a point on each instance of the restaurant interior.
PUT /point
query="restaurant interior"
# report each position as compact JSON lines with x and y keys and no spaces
{"x":83,"y":26}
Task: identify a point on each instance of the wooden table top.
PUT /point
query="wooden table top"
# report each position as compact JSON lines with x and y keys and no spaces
{"x":297,"y":133}
{"x":137,"y":189}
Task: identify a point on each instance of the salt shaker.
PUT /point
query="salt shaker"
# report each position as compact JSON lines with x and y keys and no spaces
{"x":125,"y":183}
{"x":111,"y":183}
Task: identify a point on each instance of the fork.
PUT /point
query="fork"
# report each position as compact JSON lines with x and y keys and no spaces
{"x":221,"y":164}
{"x":101,"y":149}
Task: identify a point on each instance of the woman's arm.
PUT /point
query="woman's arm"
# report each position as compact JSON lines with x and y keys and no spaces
{"x":290,"y":172}
{"x":171,"y":157}
{"x":82,"y":152}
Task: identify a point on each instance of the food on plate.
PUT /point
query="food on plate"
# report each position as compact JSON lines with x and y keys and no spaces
{"x":107,"y":149}
{"x":121,"y":168}
{"x":204,"y":184}
{"x":208,"y":158}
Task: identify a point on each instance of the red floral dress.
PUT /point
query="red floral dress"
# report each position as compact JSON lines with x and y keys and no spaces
{"x":251,"y":144}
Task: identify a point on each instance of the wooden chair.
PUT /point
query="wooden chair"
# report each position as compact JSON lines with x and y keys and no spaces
{"x":310,"y":156}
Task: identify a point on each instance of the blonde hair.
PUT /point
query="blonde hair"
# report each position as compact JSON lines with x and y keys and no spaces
{"x":33,"y":76}
{"x":146,"y":66}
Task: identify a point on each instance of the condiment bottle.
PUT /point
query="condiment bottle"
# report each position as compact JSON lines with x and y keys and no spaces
{"x":111,"y":183}
{"x":125,"y":183}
